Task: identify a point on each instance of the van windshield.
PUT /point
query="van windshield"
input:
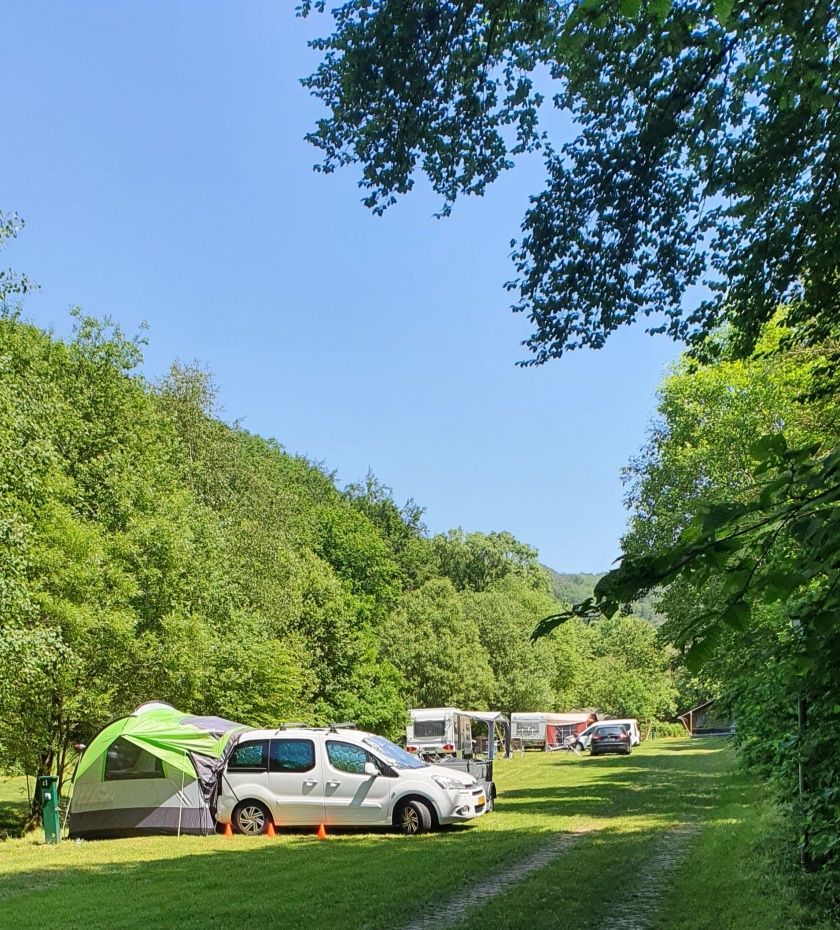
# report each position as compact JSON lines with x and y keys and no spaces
{"x":392,"y":754}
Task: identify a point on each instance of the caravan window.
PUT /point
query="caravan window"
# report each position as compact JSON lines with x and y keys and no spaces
{"x":125,"y":760}
{"x":250,"y":756}
{"x":428,"y":729}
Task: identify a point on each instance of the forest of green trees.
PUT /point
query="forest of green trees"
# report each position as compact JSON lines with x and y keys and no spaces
{"x":150,"y":550}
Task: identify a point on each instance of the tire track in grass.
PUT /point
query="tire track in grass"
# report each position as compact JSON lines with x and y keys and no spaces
{"x":637,"y":908}
{"x":455,"y":908}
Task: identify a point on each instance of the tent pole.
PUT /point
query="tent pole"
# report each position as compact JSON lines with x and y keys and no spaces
{"x":181,"y":802}
{"x":80,"y":753}
{"x":67,"y":812}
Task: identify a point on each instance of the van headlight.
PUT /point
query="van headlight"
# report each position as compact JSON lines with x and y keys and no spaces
{"x":447,"y":783}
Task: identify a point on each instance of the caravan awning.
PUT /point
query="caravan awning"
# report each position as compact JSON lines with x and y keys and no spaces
{"x":488,"y":716}
{"x":492,"y":718}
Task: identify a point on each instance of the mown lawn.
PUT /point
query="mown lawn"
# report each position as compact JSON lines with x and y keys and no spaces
{"x":14,"y":803}
{"x":382,"y":880}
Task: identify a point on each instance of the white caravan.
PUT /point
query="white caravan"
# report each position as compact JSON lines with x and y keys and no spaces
{"x":339,"y":776}
{"x":544,"y":731}
{"x":629,"y":724}
{"x":439,"y":731}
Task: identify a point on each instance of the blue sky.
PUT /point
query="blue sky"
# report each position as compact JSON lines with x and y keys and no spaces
{"x":156,"y":152}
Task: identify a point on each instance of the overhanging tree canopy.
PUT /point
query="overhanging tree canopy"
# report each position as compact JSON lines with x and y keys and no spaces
{"x":707,"y":151}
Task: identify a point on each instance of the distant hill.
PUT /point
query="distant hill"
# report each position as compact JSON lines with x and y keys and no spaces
{"x":573,"y":588}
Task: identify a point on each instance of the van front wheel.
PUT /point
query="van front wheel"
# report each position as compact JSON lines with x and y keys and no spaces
{"x":414,"y":817}
{"x":251,"y":818}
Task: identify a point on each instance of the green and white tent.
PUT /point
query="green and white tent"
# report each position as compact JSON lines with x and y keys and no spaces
{"x":155,"y":771}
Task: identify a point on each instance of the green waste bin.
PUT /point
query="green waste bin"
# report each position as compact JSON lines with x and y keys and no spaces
{"x":47,"y":786}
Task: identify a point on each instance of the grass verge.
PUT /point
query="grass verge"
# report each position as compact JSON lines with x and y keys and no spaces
{"x":383,"y":880}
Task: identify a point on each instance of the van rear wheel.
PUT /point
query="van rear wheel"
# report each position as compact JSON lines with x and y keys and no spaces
{"x":251,"y":818}
{"x":414,"y":817}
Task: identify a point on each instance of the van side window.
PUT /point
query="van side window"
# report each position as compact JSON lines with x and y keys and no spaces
{"x":347,"y":758}
{"x":125,"y":760}
{"x":250,"y":756}
{"x":291,"y":755}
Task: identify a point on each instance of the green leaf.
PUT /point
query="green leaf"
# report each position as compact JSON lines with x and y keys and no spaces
{"x":801,"y":665}
{"x":630,"y":8}
{"x":737,"y":615}
{"x":702,"y":650}
{"x":772,"y":444}
{"x":660,"y":8}
{"x":778,"y":585}
{"x":768,"y":492}
{"x":723,"y":10}
{"x":547,"y":624}
{"x":720,"y":514}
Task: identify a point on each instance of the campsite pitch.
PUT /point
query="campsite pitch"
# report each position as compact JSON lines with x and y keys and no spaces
{"x":667,"y":838}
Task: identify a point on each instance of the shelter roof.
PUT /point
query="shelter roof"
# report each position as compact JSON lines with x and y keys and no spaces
{"x":488,"y":716}
{"x":694,"y":710}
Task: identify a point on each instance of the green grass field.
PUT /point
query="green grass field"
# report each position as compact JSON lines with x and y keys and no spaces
{"x":383,"y":880}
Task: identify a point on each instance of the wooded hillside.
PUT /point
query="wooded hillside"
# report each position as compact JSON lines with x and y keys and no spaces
{"x":572,"y":588}
{"x":150,"y":550}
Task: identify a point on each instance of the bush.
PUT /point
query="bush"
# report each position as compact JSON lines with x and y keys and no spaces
{"x":664,"y":729}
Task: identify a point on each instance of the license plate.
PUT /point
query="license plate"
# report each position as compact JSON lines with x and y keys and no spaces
{"x":480,"y":800}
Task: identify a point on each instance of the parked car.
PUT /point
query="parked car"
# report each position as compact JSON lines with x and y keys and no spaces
{"x":339,"y":776}
{"x":609,"y":738}
{"x":631,"y":727}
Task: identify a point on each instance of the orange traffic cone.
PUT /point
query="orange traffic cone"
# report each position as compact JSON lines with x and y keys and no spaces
{"x":269,"y":830}
{"x":322,"y":833}
{"x":228,"y":831}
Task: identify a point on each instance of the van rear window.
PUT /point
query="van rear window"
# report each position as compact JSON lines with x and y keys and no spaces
{"x":292,"y":755}
{"x":250,"y":756}
{"x":610,"y":731}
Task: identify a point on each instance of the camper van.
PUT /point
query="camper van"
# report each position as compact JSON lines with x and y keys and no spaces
{"x":300,"y":776}
{"x":439,"y":731}
{"x":545,"y":731}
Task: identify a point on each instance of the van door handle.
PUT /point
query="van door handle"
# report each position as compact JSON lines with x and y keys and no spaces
{"x":333,"y":784}
{"x":310,"y":783}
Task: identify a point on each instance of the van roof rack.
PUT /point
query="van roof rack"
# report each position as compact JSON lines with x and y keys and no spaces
{"x":293,"y":725}
{"x":345,"y":725}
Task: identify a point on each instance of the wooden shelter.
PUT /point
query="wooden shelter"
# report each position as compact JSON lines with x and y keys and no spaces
{"x":707,"y":719}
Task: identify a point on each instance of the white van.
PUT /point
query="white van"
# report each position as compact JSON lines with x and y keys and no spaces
{"x":339,"y":776}
{"x":629,"y":724}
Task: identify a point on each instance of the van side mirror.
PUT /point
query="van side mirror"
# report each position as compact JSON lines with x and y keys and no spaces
{"x":371,"y":769}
